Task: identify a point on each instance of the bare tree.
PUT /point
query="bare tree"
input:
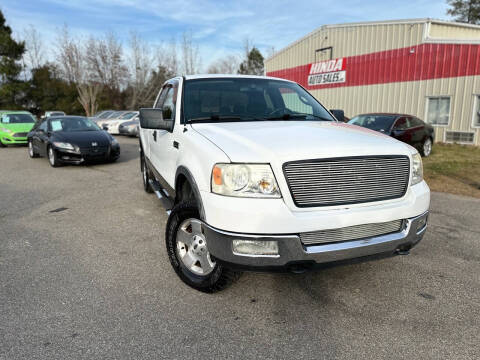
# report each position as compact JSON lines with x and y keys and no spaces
{"x":168,"y":57}
{"x":190,"y":54}
{"x":34,"y":56}
{"x":70,"y":58}
{"x":87,"y":96}
{"x":72,"y":62}
{"x":226,"y":65}
{"x":142,"y":62}
{"x":104,"y":61}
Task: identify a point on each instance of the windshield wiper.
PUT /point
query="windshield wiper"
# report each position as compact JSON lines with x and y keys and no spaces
{"x":298,"y":115}
{"x":220,"y":118}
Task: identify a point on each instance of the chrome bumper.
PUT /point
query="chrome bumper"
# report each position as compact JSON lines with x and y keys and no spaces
{"x":292,"y":251}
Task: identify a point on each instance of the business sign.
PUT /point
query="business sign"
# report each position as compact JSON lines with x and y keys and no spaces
{"x":327,"y":72}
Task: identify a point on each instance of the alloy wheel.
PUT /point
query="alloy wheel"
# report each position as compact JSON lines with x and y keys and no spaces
{"x":192,"y":248}
{"x":51,"y":156}
{"x":427,"y":147}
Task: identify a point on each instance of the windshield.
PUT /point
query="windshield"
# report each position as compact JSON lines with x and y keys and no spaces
{"x":105,"y":114}
{"x":375,"y":122}
{"x":17,"y":119}
{"x":247,"y":99}
{"x":71,"y":124}
{"x":128,"y":115}
{"x":115,"y":115}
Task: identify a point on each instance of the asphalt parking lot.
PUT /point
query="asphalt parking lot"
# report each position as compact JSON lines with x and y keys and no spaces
{"x":84,"y":275}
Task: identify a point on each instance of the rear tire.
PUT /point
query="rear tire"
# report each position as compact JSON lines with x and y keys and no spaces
{"x":188,"y":252}
{"x":426,"y":149}
{"x":145,"y":175}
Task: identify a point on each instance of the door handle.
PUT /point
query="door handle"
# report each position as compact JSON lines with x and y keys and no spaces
{"x":155,"y":135}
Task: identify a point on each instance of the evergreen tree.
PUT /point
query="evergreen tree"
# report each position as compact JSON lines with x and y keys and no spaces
{"x":12,"y":90}
{"x":253,"y":64}
{"x":467,"y":11}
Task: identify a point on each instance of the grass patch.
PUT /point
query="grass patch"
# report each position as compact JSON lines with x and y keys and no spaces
{"x":454,"y":169}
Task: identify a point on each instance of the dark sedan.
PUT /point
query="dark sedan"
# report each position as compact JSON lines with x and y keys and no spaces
{"x":129,"y":128}
{"x":71,"y":140}
{"x":406,"y":128}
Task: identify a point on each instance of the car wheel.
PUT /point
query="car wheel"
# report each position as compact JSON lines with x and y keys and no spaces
{"x":427,"y":147}
{"x":52,"y":157}
{"x":2,"y":145}
{"x":31,"y":151}
{"x":145,"y":175}
{"x":187,"y":249}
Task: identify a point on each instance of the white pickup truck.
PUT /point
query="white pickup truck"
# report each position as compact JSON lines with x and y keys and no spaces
{"x":256,"y":174}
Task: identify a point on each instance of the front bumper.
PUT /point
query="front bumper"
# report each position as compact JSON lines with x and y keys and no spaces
{"x":71,"y":157}
{"x":294,"y":255}
{"x":13,"y":140}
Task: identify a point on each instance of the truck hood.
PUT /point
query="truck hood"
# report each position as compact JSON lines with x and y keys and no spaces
{"x":269,"y":141}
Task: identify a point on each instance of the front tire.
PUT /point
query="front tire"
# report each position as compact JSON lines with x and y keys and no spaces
{"x":31,"y":151}
{"x":188,"y":252}
{"x":2,"y":145}
{"x":53,"y":157}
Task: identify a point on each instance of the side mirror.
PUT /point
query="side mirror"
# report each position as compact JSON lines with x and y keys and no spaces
{"x":339,"y":115}
{"x":153,"y":119}
{"x":397,"y":132}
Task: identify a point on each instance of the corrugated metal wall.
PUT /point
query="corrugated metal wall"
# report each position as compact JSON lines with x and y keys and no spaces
{"x":405,"y":97}
{"x":411,"y":98}
{"x":347,"y":41}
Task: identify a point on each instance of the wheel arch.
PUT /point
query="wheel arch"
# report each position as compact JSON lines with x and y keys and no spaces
{"x":183,"y":176}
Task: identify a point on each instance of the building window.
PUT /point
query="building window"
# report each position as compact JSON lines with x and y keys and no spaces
{"x":459,"y":137}
{"x":438,"y":110}
{"x":476,"y":111}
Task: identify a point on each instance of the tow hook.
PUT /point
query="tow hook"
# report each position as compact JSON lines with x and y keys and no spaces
{"x":403,"y":251}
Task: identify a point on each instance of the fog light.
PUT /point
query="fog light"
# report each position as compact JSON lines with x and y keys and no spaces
{"x":422,"y":222}
{"x":255,"y":248}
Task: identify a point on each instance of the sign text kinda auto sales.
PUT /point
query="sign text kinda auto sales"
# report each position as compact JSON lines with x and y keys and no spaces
{"x":327,"y":72}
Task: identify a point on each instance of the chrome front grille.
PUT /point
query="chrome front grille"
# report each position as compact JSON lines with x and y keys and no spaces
{"x":343,"y":181}
{"x":351,"y":232}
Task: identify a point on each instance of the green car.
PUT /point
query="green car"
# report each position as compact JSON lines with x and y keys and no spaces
{"x":14,"y":127}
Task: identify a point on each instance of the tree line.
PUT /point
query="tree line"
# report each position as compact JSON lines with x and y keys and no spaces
{"x":82,"y":76}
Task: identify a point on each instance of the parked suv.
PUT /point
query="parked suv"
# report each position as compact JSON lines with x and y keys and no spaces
{"x":256,"y":174}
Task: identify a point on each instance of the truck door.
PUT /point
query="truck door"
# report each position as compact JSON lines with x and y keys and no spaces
{"x":163,"y":144}
{"x":146,"y":133}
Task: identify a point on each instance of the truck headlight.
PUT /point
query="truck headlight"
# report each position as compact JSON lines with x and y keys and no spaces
{"x":417,"y":169}
{"x":244,"y":180}
{"x":64,"y":145}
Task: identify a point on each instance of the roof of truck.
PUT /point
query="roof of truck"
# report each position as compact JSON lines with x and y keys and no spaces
{"x":218,"y":76}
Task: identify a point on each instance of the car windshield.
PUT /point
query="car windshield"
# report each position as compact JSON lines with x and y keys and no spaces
{"x":17,"y":119}
{"x":115,"y":115}
{"x":249,"y":99}
{"x":105,"y":114}
{"x":71,"y":124}
{"x":375,"y":122}
{"x":128,"y":115}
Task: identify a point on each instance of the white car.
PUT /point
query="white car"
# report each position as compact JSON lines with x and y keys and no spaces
{"x":256,"y":174}
{"x":113,"y":125}
{"x":113,"y":116}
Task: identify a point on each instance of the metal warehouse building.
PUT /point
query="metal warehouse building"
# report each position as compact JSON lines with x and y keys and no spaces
{"x":423,"y":67}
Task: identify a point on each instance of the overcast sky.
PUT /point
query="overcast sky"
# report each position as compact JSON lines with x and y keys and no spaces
{"x":218,"y":27}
